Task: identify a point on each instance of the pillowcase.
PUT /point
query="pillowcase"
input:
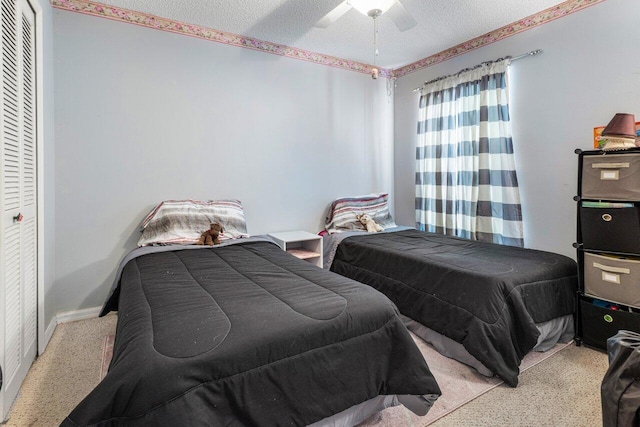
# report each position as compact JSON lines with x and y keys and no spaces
{"x":342,"y":213}
{"x":181,"y":222}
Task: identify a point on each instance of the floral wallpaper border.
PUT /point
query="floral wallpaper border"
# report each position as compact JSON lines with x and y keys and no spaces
{"x":164,"y":24}
{"x":532,"y":21}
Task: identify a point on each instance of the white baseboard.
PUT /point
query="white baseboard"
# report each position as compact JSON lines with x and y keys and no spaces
{"x":48,"y":333}
{"x":72,"y":316}
{"x":67,"y":316}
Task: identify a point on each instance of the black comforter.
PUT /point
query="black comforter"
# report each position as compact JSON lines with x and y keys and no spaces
{"x":485,"y":296}
{"x":247,"y":334}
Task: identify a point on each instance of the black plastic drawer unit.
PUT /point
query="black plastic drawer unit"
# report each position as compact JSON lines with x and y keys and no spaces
{"x":608,"y":243}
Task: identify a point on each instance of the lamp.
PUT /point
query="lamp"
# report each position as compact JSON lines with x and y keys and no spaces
{"x":620,"y":133}
{"x":372,"y":7}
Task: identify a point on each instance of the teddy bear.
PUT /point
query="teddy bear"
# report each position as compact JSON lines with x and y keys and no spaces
{"x":369,"y":223}
{"x":210,"y":237}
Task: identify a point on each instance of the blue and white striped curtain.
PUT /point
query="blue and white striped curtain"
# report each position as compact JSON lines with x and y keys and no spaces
{"x":466,"y":183}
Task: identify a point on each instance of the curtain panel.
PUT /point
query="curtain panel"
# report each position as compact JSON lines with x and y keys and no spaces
{"x":466,"y":183}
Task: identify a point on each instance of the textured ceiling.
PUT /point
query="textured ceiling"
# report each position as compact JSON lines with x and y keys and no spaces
{"x":441,"y":24}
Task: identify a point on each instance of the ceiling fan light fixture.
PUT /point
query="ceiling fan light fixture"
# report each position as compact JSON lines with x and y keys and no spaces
{"x":365,"y":6}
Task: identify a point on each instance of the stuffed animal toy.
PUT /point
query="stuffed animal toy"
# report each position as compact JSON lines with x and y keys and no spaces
{"x":210,"y":237}
{"x":369,"y":223}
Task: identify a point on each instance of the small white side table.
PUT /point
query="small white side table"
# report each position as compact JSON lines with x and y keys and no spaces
{"x":301,"y":244}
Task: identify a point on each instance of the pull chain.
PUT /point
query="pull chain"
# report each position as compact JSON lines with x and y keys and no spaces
{"x":374,"y":70}
{"x":375,"y":39}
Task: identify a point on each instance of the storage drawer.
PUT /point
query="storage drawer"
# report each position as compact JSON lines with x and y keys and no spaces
{"x":612,"y":278}
{"x":611,"y":177}
{"x":599,"y":323}
{"x":615,"y":229}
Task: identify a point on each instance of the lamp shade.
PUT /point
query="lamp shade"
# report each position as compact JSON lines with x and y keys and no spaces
{"x":622,"y":125}
{"x":620,"y":133}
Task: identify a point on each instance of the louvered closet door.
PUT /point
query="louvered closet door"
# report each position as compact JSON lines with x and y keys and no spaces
{"x":18,"y":241}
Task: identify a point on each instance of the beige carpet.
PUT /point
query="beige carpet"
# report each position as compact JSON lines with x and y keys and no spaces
{"x":67,"y":371}
{"x":563,"y":390}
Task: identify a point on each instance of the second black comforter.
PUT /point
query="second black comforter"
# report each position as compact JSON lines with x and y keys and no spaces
{"x":485,"y":296}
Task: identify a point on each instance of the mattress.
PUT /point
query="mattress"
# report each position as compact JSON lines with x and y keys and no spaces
{"x":246,"y":334}
{"x":485,"y":296}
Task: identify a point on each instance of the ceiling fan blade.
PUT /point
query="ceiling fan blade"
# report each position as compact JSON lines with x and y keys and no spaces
{"x":333,"y":16}
{"x":399,"y":15}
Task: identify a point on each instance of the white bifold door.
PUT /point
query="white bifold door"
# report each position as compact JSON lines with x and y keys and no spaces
{"x":18,"y":200}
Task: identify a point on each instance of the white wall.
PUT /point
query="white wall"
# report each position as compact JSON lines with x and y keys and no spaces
{"x":589,"y":71}
{"x":144,"y":115}
{"x":48,"y":159}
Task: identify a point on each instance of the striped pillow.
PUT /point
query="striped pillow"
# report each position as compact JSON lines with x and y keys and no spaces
{"x":342,"y":213}
{"x":181,"y":222}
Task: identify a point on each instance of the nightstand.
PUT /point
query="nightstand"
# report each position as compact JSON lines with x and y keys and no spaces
{"x":301,"y":244}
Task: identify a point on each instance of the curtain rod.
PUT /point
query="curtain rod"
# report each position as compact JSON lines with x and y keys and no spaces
{"x":515,"y":58}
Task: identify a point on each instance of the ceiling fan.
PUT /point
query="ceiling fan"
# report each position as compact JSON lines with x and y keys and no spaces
{"x":373,"y":8}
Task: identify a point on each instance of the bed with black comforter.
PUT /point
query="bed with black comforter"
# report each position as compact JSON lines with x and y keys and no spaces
{"x":485,"y":296}
{"x":246,"y":334}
